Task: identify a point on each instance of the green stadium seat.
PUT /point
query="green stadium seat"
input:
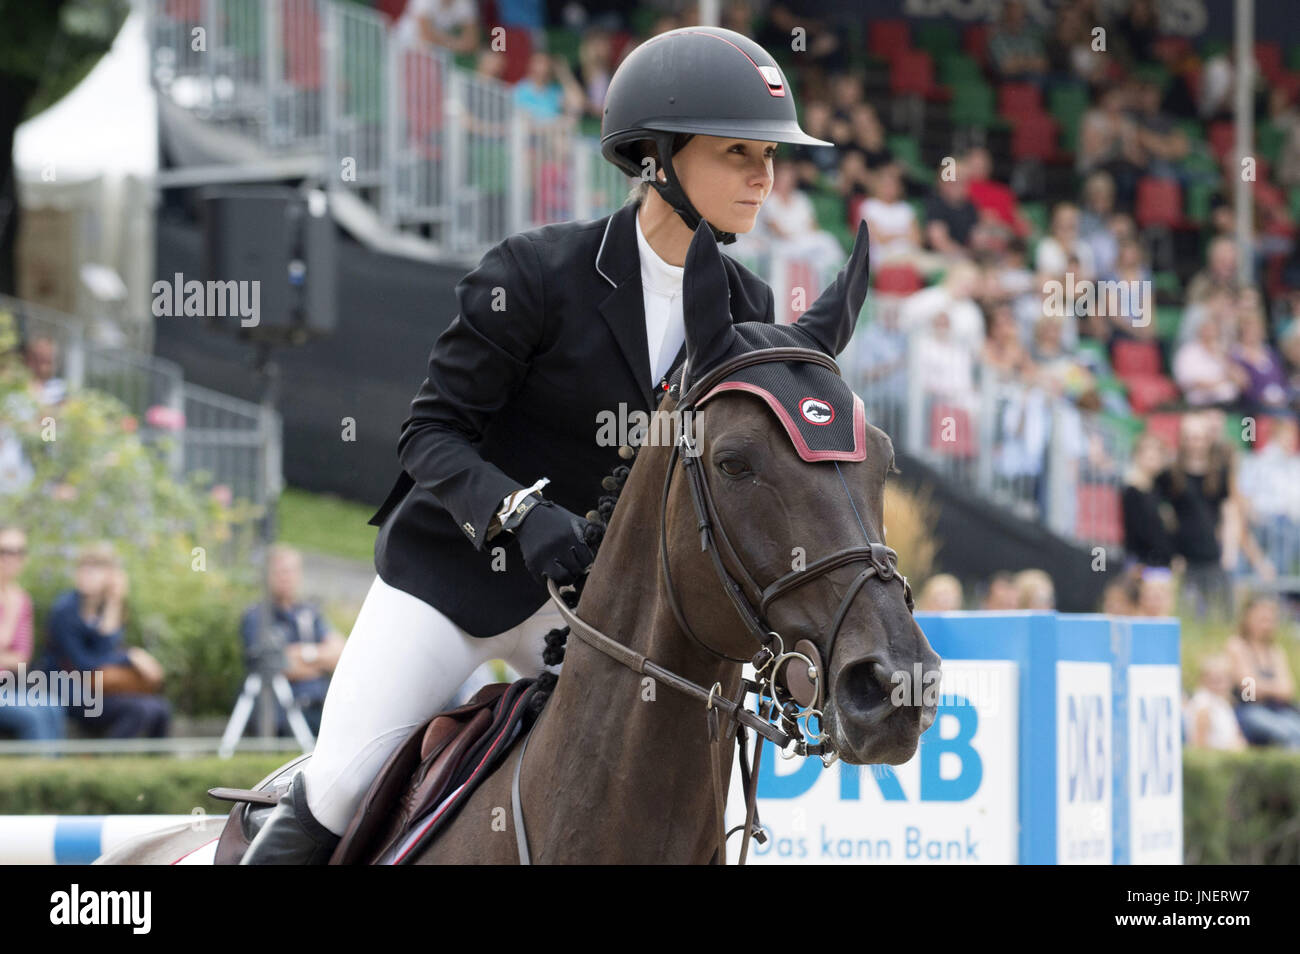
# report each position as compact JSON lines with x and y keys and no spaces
{"x":1293,"y":57}
{"x":1168,"y":283}
{"x":1293,"y":201}
{"x":1269,"y":140}
{"x":957,"y":68}
{"x":1197,"y":208}
{"x":973,"y":104}
{"x":829,"y":210}
{"x":1035,"y":213}
{"x":1168,"y":318}
{"x":908,"y":152}
{"x":564,"y":42}
{"x":937,"y":39}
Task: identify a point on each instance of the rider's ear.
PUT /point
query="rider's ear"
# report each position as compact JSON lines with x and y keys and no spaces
{"x":834,"y":315}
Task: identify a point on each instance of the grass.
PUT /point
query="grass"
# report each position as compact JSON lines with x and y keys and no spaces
{"x":326,"y":524}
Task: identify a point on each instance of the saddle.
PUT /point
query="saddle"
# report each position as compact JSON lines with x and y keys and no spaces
{"x":419,"y":789}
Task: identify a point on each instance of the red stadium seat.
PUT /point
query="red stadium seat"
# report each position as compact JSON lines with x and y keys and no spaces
{"x":963,"y":444}
{"x":302,"y":35}
{"x":1221,"y":138}
{"x":888,"y":38}
{"x":1165,"y":427}
{"x":975,"y":41}
{"x":1033,"y":136}
{"x":1135,"y":358}
{"x":519,"y":49}
{"x":1147,"y":392}
{"x":1268,"y":57}
{"x":1098,"y":518}
{"x":1174,"y":48}
{"x":1018,"y":99}
{"x":1264,"y":425}
{"x":911,"y":73}
{"x":1159,"y":203}
{"x":898,"y":280}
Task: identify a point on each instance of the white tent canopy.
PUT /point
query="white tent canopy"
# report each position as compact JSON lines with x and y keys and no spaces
{"x":106,"y":126}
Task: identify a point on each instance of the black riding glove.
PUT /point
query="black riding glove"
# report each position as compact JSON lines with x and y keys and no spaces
{"x":551,"y":539}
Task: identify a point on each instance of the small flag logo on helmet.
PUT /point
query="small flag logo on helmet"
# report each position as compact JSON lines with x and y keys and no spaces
{"x":775,"y":85}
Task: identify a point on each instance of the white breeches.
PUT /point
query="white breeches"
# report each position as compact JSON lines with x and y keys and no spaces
{"x":401,"y":665}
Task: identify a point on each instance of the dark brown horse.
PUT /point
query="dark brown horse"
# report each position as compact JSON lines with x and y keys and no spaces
{"x":617,"y":769}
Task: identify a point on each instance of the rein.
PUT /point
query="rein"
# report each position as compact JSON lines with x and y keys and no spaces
{"x":789,"y":684}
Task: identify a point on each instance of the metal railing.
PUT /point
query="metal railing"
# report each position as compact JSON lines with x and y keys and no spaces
{"x":234,"y":442}
{"x":431,"y":147}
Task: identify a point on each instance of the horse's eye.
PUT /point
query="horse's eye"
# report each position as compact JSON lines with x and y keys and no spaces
{"x":732,"y":466}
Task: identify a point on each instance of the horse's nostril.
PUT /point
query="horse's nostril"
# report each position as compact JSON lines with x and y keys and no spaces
{"x":863,"y":690}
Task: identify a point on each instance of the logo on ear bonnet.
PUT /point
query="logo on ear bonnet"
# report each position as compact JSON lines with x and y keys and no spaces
{"x":816,"y":411}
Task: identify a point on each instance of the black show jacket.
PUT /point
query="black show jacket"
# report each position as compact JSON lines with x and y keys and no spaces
{"x":551,"y":332}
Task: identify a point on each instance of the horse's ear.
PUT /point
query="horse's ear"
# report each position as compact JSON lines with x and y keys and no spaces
{"x":833,"y":316}
{"x":705,"y":305}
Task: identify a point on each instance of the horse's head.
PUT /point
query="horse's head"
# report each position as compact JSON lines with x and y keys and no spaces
{"x":796,"y":475}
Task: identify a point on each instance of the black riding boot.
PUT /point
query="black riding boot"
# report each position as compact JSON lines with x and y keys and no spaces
{"x":291,"y":834}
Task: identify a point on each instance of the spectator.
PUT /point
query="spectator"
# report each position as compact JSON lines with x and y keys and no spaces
{"x":1290,"y":346}
{"x":1208,"y":716}
{"x":452,"y":24}
{"x":1108,"y":140}
{"x":1134,"y":319}
{"x":1002,"y":594}
{"x":1140,"y":30}
{"x":816,"y":164}
{"x":1266,"y":388}
{"x":26,"y":718}
{"x":1220,"y":271}
{"x":940,"y":594}
{"x":950,"y":215}
{"x":880,"y":359}
{"x":1156,"y":592}
{"x":995,"y":201}
{"x":1198,"y":484}
{"x":1163,"y":142}
{"x":1269,"y":482}
{"x":891,"y":221}
{"x":86,"y":636}
{"x":954,"y":298}
{"x":542,"y":96}
{"x":1265,"y":689}
{"x":1119,"y":598}
{"x":1062,"y":243}
{"x":1034,"y":591}
{"x":42,"y":357}
{"x":1002,"y":351}
{"x":1095,"y":221}
{"x":946,"y":366}
{"x":861,"y":150}
{"x":787,"y":224}
{"x":595,"y":70}
{"x":1016,"y":47}
{"x":1204,"y":372}
{"x":311,"y":647}
{"x":526,"y":15}
{"x":1146,"y":523}
{"x":1220,"y":305}
{"x":1071,"y":46}
{"x":1218,"y":79}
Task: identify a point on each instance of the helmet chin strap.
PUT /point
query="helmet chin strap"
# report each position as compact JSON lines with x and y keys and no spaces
{"x":673,"y":193}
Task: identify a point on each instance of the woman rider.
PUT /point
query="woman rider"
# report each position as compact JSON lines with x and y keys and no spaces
{"x":558,"y":327}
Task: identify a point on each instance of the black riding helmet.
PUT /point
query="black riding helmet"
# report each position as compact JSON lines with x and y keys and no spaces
{"x":700,"y":80}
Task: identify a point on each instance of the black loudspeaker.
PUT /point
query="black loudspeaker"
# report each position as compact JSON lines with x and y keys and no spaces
{"x":268,"y":260}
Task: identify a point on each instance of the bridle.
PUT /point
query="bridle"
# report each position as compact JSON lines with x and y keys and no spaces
{"x":789,"y":683}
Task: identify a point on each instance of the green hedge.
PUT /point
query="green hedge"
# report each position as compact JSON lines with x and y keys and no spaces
{"x":1238,"y":808}
{"x":1241,"y":807}
{"x":127,"y":785}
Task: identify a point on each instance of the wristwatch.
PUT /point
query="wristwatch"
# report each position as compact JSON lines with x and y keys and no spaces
{"x":510,"y":505}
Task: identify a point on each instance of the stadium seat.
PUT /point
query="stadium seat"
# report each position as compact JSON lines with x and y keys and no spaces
{"x":888,"y":38}
{"x":1098,"y":518}
{"x":973,"y":104}
{"x":1018,"y":99}
{"x":1221,"y":137}
{"x":911,"y":73}
{"x":1166,"y":427}
{"x":1268,"y":57}
{"x":898,"y":280}
{"x":1159,"y":203}
{"x":1034,"y":137}
{"x":1135,"y":358}
{"x":937,"y":39}
{"x":1168,"y":318}
{"x":975,"y":41}
{"x":1148,"y":392}
{"x":957,"y":68}
{"x":519,"y":49}
{"x":963,"y":444}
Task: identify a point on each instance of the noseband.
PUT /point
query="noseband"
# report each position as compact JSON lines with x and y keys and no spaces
{"x":789,"y":683}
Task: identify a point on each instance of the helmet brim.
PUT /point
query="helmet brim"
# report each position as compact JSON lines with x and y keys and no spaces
{"x":774,"y":131}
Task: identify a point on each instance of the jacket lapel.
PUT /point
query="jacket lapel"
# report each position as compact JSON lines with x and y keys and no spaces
{"x":623,"y":309}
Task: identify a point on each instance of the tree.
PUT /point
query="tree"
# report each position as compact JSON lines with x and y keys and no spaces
{"x":46,"y":48}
